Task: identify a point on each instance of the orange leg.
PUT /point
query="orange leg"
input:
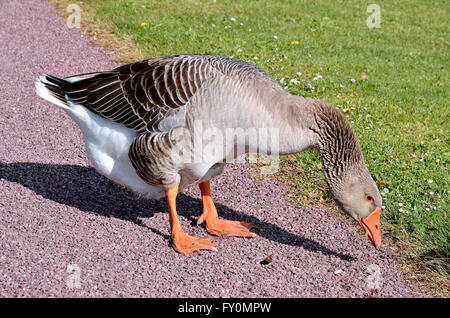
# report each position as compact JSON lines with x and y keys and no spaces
{"x":216,"y":226}
{"x":182,"y":242}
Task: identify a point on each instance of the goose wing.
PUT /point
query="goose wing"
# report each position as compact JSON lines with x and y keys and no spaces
{"x":149,"y":95}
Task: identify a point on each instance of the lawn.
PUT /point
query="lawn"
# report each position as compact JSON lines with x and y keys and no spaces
{"x":391,"y":82}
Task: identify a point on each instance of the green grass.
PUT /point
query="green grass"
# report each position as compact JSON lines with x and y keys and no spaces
{"x":398,"y":103}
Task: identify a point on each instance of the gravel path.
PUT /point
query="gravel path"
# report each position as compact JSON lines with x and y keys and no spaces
{"x":59,"y":218}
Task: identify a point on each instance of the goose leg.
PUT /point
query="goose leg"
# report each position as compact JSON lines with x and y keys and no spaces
{"x":216,"y":226}
{"x":182,"y":242}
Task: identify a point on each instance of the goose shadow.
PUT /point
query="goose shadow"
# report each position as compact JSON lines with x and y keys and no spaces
{"x":85,"y":189}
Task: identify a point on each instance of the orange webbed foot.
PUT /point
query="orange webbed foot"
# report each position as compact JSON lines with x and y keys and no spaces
{"x":219,"y":227}
{"x":216,"y":226}
{"x":186,"y":244}
{"x":182,"y":242}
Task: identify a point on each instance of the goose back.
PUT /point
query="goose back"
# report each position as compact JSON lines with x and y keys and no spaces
{"x":152,"y":95}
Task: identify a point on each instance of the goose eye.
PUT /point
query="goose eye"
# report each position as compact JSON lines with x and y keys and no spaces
{"x":369,"y":198}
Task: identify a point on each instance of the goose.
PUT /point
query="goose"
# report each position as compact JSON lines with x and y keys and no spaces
{"x":156,"y":126}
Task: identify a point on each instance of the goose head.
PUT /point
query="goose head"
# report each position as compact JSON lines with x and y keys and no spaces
{"x":357,"y":195}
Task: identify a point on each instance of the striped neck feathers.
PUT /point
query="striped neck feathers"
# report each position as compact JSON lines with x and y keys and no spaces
{"x":335,"y":140}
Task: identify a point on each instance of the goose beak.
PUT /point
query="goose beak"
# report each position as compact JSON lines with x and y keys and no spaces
{"x":371,"y":225}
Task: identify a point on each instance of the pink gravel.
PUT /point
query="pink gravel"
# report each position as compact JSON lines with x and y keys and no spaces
{"x":57,"y":212}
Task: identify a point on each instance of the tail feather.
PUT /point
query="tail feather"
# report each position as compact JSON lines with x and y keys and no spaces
{"x":50,"y":88}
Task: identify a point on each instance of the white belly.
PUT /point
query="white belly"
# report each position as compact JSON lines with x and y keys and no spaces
{"x":107,"y":145}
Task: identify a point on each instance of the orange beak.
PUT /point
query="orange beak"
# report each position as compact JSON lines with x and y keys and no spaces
{"x":371,"y":225}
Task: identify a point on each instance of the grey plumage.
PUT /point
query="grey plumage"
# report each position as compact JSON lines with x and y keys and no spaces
{"x":160,"y":100}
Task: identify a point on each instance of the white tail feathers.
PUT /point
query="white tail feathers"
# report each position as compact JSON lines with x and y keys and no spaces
{"x":40,"y":85}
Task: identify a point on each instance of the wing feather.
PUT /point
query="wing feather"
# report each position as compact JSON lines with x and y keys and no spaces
{"x":151,"y":95}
